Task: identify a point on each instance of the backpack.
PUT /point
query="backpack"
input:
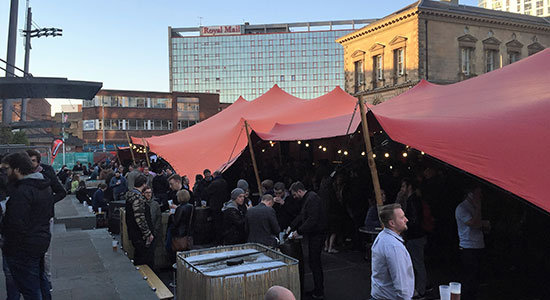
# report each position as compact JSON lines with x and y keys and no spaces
{"x":428,"y":221}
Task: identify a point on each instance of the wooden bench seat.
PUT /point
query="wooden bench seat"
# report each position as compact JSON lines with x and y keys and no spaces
{"x":154,"y":281}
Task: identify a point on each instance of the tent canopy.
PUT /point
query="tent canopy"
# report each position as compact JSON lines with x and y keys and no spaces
{"x":218,"y":141}
{"x":495,"y":126}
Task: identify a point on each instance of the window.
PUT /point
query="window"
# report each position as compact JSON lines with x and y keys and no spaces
{"x":491,"y":57}
{"x":399,"y":62}
{"x":378,"y":68}
{"x":359,"y":75}
{"x":466,"y":60}
{"x":513,"y":57}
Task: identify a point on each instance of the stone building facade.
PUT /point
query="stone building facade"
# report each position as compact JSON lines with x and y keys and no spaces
{"x":439,"y":41}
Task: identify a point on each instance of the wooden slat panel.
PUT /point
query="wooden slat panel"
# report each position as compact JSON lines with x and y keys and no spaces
{"x":162,"y":291}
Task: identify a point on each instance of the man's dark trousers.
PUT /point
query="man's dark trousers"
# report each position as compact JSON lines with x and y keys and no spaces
{"x":315,"y":247}
{"x":471,"y":264}
{"x":29,"y":276}
{"x":144,"y":255}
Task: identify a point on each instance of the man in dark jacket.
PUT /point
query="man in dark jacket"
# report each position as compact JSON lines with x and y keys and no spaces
{"x":311,"y":223}
{"x":26,"y":226}
{"x":415,"y":234}
{"x":140,"y":224}
{"x":233,"y":219}
{"x":58,"y":194}
{"x":216,"y":195}
{"x":261,"y":223}
{"x":286,"y":208}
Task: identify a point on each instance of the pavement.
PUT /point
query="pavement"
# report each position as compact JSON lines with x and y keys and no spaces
{"x":84,"y":265}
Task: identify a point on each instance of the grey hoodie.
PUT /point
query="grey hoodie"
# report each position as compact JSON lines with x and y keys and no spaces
{"x":229,"y":204}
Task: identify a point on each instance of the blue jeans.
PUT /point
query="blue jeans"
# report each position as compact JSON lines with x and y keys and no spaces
{"x":11,"y":287}
{"x":29,"y":276}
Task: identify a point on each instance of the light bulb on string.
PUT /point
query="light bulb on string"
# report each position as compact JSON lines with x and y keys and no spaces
{"x":363,"y":153}
{"x":299,"y":142}
{"x":422,"y":153}
{"x":324,"y":149}
{"x":345,"y":152}
{"x":307,"y":145}
{"x":405,"y":154}
{"x":373,"y":155}
{"x":386,"y":155}
{"x":339,"y":151}
{"x":320,"y":147}
{"x":263,"y":150}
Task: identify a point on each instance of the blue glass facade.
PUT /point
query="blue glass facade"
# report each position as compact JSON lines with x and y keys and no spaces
{"x":305,"y":64}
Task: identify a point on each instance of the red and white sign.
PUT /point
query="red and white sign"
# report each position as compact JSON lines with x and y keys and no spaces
{"x":220,"y":30}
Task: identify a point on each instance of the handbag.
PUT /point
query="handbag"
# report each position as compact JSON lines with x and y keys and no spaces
{"x":184,"y":242}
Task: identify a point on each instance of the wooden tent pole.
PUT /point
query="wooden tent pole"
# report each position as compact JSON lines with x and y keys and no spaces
{"x":372,"y":163}
{"x":130,"y":146}
{"x":253,"y":159}
{"x":116,"y":151}
{"x":146,"y":152}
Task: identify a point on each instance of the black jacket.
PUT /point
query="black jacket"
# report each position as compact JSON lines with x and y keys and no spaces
{"x":182,"y":220}
{"x":26,"y":224}
{"x":312,"y":219}
{"x":414,"y":214}
{"x":57,"y":188}
{"x":233,"y":224}
{"x":261,"y":225}
{"x":217,"y":193}
{"x":287,"y":212}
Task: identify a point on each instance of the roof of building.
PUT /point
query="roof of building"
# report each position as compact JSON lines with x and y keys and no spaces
{"x":451,"y":8}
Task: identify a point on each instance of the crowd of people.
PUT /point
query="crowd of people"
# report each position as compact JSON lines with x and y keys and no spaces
{"x":324,"y":209}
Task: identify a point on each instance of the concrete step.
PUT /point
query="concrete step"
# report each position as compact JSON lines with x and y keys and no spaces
{"x":73,"y":214}
{"x":58,"y":228}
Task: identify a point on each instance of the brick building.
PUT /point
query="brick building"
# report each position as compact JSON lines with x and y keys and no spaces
{"x":440,"y":41}
{"x":141,"y":114}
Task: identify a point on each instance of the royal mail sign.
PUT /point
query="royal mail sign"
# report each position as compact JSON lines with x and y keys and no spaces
{"x":221,"y":30}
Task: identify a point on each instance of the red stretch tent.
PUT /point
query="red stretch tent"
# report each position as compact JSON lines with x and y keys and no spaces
{"x":495,"y":126}
{"x":218,"y":141}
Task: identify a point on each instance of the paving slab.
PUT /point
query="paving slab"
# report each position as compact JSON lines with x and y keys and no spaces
{"x":85,"y":267}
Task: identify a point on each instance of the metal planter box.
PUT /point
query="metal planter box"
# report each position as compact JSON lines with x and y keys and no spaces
{"x":205,"y":274}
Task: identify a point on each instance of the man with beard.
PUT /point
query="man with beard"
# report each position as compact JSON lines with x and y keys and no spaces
{"x":26,"y":226}
{"x":140,"y":224}
{"x":311,"y":223}
{"x":392,"y":271}
{"x":58,"y":194}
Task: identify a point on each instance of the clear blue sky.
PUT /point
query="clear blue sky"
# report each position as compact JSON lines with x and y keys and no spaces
{"x":124,"y":43}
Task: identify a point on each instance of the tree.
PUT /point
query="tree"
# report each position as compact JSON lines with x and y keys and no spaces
{"x":7,"y":136}
{"x":20,"y":137}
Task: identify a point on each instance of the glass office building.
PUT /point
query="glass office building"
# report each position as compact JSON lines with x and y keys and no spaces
{"x":247,"y":60}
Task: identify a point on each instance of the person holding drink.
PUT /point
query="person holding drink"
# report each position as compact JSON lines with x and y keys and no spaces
{"x":470,"y":233}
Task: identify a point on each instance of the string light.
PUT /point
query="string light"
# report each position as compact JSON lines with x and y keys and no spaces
{"x":345,"y":152}
{"x":272,"y":145}
{"x":373,"y":155}
{"x":307,"y":145}
{"x":339,"y":151}
{"x":299,"y":142}
{"x":324,"y":149}
{"x":363,"y":153}
{"x":391,"y":167}
{"x":263,"y":150}
{"x":405,"y":154}
{"x":320,"y":147}
{"x":387,"y":155}
{"x":422,"y":152}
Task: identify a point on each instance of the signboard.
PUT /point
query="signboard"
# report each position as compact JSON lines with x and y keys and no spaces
{"x":220,"y":30}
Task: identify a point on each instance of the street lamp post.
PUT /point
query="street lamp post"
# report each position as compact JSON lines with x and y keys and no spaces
{"x":63,"y":133}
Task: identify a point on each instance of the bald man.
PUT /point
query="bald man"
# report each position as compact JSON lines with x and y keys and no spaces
{"x":279,"y":293}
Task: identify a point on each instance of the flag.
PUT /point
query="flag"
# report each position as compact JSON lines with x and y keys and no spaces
{"x":57,"y":143}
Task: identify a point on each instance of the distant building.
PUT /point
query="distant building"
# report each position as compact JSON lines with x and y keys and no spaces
{"x":247,"y":60}
{"x":71,"y":114}
{"x":38,"y":109}
{"x":439,"y":41}
{"x":141,"y":114}
{"x":539,"y":8}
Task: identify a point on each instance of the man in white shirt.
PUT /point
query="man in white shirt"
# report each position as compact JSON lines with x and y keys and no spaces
{"x":470,"y":234}
{"x":392,"y":271}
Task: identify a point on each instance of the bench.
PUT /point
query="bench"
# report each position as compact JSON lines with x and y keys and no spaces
{"x":154,"y":282}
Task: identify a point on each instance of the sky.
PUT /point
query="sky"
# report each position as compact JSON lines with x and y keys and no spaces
{"x":124,"y":43}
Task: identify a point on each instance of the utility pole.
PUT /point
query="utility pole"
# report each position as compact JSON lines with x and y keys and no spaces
{"x":27,"y":57}
{"x":12,"y":42}
{"x":63,"y":134}
{"x":103,"y":117}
